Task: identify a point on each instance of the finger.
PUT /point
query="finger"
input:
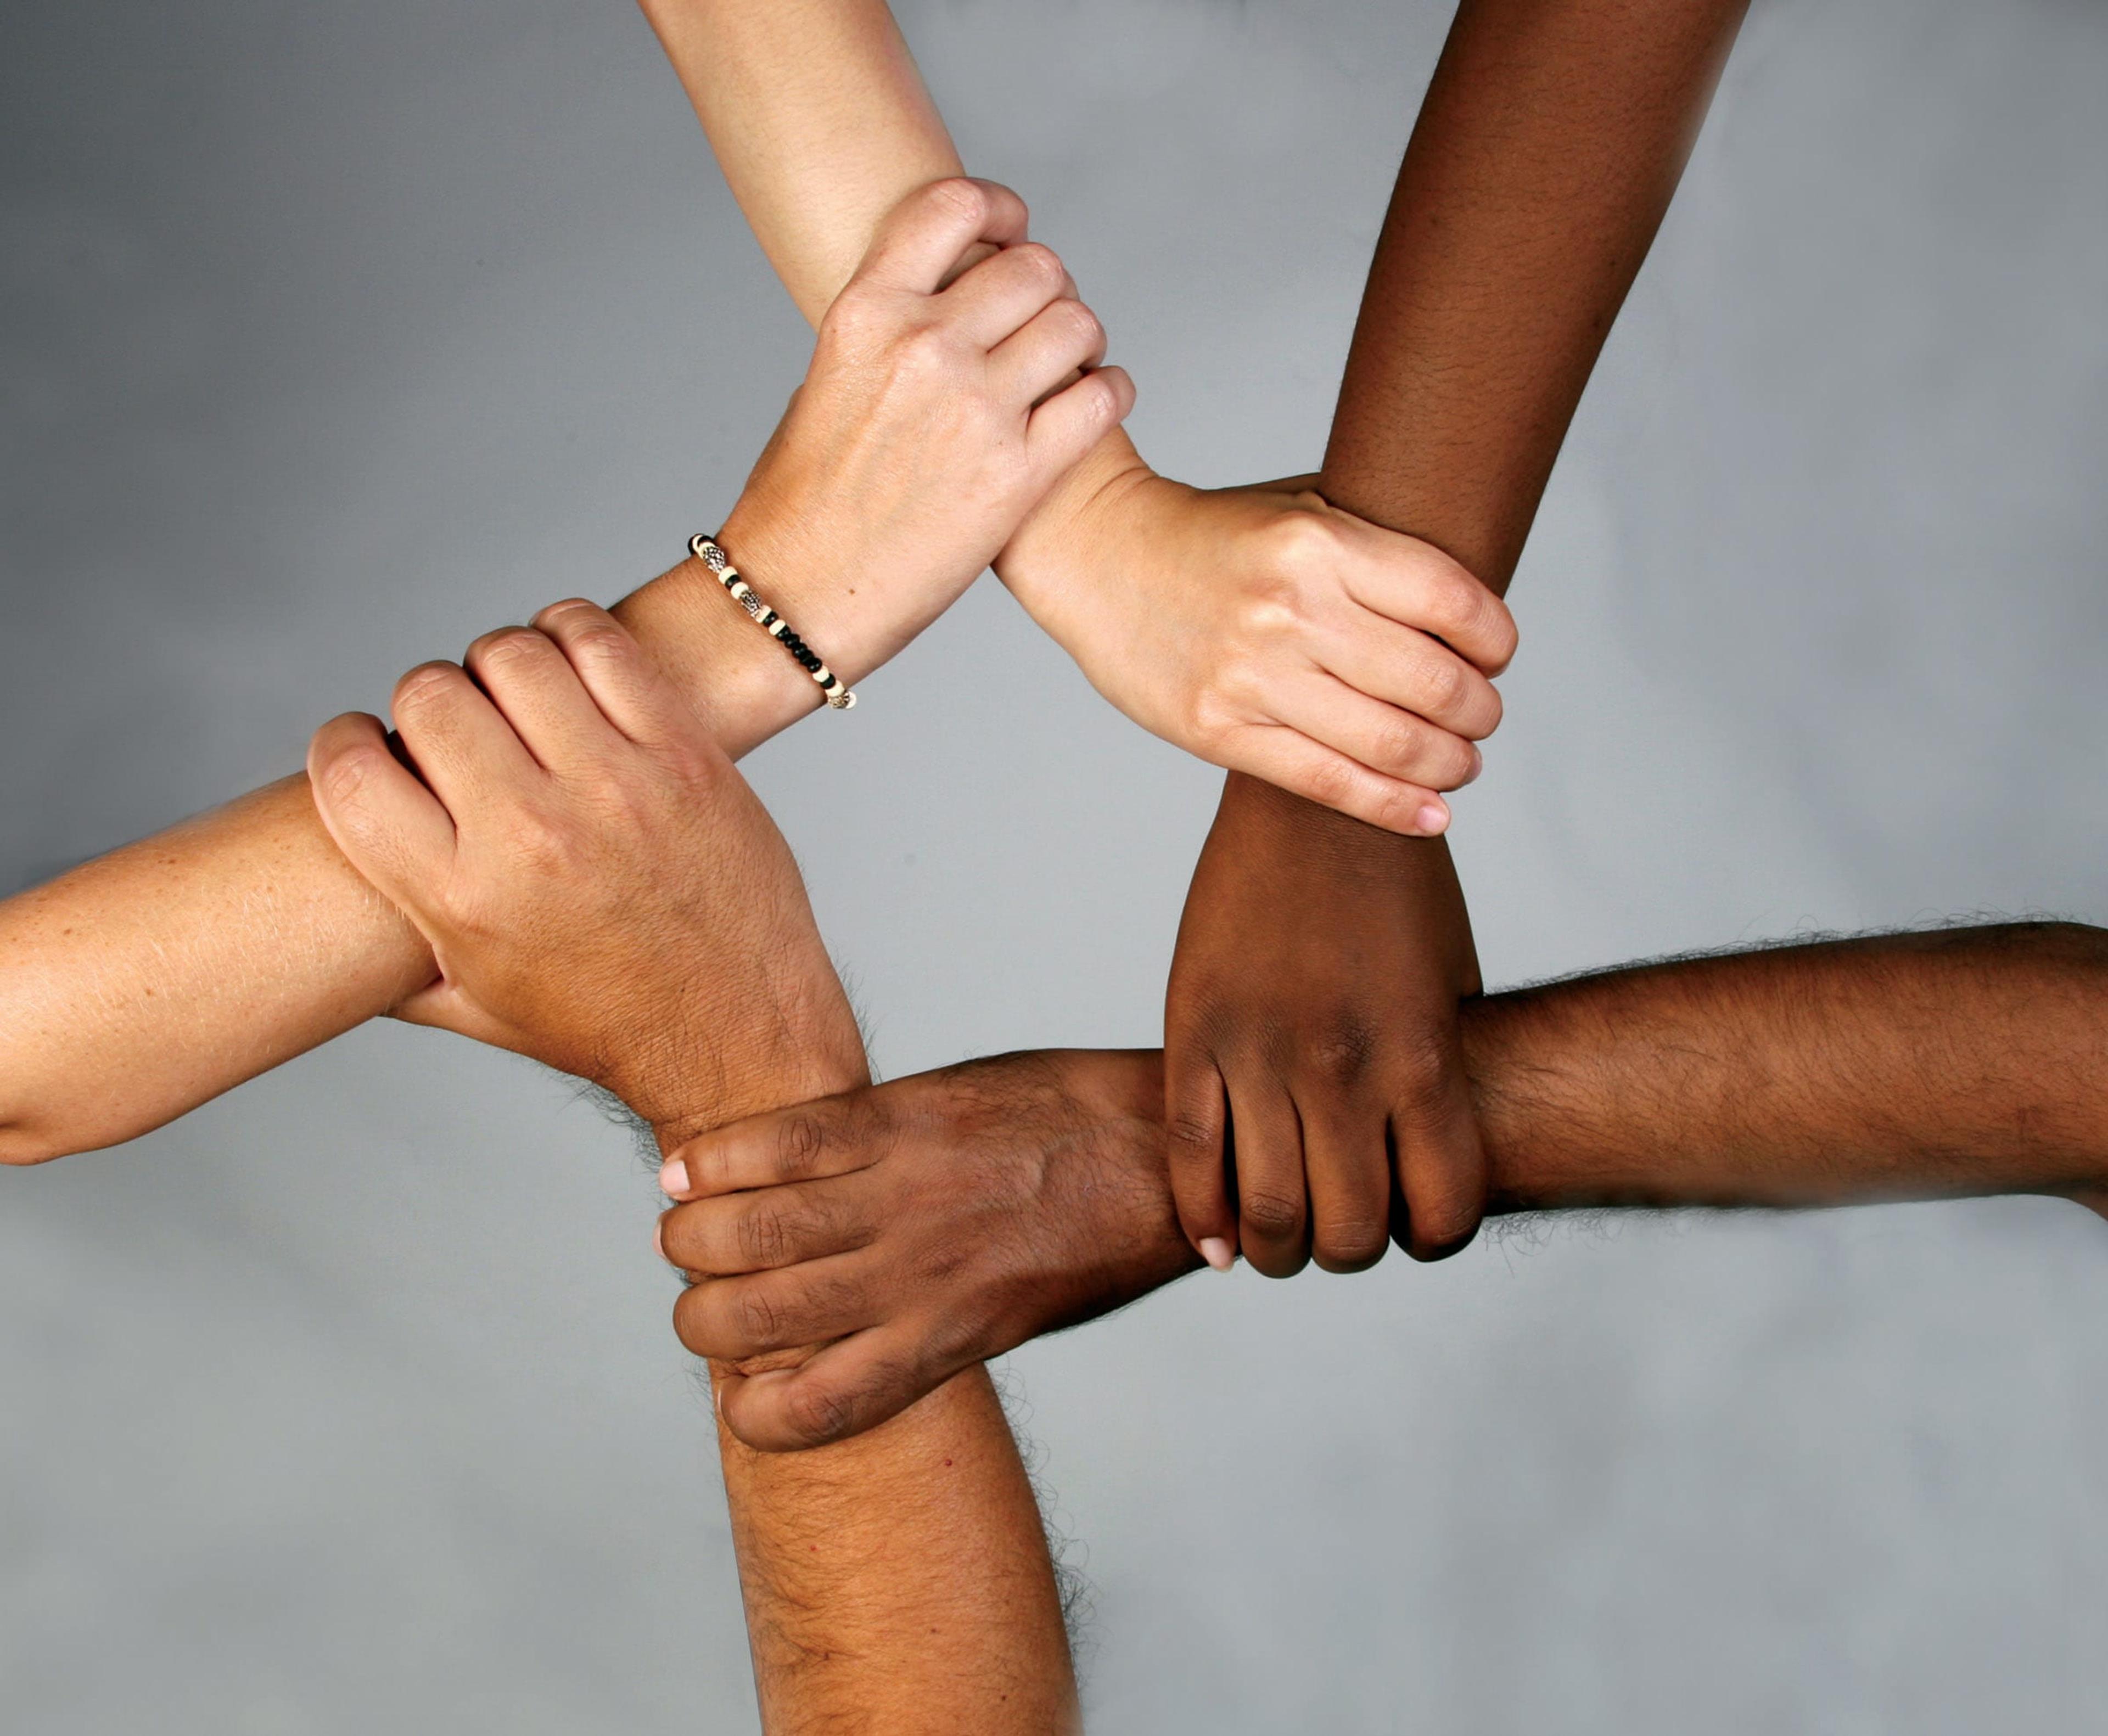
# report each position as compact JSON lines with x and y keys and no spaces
{"x":919,"y":240}
{"x":459,"y":742}
{"x":1382,"y":737}
{"x":832,"y":1136}
{"x":1346,"y":1156}
{"x":758,"y":1312}
{"x":1062,"y":337}
{"x":1196,"y":1125}
{"x":1404,"y":667}
{"x":532,"y":684}
{"x":390,"y":827}
{"x":1266,"y":1157}
{"x":1071,"y":422}
{"x":630,"y":691}
{"x":1415,"y":584}
{"x":765,"y":1228}
{"x":843,"y":1391}
{"x":991,"y":300}
{"x":1441,"y":1162}
{"x":1291,"y":761}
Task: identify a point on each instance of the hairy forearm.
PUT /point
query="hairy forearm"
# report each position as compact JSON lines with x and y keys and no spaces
{"x":1912,"y":1066}
{"x":145,"y":982}
{"x":1547,"y":150}
{"x":899,"y":1581}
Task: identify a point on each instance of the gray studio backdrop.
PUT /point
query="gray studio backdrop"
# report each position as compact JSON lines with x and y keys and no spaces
{"x":334,"y":335}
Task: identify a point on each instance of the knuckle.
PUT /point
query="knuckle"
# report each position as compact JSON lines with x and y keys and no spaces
{"x":1398,"y":745}
{"x":506,"y":646}
{"x":1301,"y":543}
{"x":428,"y":684}
{"x":1083,"y":325}
{"x":1040,"y":262}
{"x":1443,"y":684}
{"x":1444,"y":1229}
{"x":1275,"y":1216}
{"x":764,"y":1235}
{"x":755,"y":1318}
{"x":922,"y":354}
{"x":854,"y":317}
{"x":1350,"y":1241}
{"x":344,"y":776}
{"x":799,"y":1141}
{"x":1422,"y":1066}
{"x":958,"y":196}
{"x":817,"y":1413}
{"x":1345,"y":1054}
{"x":1330,"y":783}
{"x":1193,"y":1136}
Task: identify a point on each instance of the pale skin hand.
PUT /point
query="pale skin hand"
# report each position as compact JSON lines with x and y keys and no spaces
{"x":1259,"y":628}
{"x":604,"y":894}
{"x":1328,"y":1059}
{"x":914,"y":1226}
{"x":145,"y":982}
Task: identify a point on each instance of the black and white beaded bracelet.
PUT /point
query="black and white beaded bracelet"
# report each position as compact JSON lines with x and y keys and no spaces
{"x":705,"y":549}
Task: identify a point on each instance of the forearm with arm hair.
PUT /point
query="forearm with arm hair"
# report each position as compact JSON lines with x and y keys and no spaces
{"x":1951,"y":1062}
{"x":899,"y":1582}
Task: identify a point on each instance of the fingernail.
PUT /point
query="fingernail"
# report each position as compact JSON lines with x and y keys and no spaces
{"x":1216,"y":1252}
{"x":1433,"y":820}
{"x":1478,"y":764}
{"x":673,"y":1178}
{"x":659,"y":1238}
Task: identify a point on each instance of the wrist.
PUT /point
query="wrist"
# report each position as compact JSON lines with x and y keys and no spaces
{"x":809,"y":1058}
{"x":1046,"y":540}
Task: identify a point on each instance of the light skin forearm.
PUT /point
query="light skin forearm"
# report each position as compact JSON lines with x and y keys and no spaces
{"x":148,"y":981}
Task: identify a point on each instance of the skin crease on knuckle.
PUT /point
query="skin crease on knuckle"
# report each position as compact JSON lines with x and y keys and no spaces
{"x":963,"y":197}
{"x":428,"y":686}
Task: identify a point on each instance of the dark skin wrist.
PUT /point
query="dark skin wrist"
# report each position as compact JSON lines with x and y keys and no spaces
{"x":1545,"y":155}
{"x":1312,"y":1015}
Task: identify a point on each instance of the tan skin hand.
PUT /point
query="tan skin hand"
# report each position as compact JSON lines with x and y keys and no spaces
{"x":1276,"y":634}
{"x":1311,"y":1030}
{"x":538,"y":764}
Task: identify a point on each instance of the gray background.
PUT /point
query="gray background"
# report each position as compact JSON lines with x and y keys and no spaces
{"x":334,"y":335}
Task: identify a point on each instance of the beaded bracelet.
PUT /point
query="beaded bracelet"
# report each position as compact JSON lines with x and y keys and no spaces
{"x":705,"y":549}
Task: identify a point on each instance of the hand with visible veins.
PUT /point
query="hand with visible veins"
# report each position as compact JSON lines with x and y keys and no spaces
{"x":910,"y":1229}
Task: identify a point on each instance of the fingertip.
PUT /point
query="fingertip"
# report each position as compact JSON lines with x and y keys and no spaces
{"x":674,"y":1179}
{"x":1218,"y":1252}
{"x":1431,"y":820}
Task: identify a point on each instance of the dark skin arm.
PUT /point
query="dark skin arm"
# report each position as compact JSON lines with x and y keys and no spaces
{"x":1310,"y":1023}
{"x":980,"y":1205}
